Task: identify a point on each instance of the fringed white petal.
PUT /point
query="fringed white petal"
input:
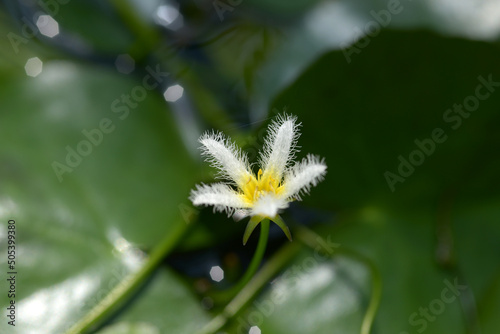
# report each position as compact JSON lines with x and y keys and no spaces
{"x":240,"y":214}
{"x":280,"y":145}
{"x":268,"y":193}
{"x":225,"y":156}
{"x":221,"y":196}
{"x":301,"y":177}
{"x":269,"y":205}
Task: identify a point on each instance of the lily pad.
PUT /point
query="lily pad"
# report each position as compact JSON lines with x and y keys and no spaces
{"x":92,"y":182}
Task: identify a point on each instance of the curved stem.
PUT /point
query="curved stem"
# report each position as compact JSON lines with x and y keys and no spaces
{"x":258,"y":255}
{"x":250,"y":290}
{"x":252,"y":267}
{"x":371,"y":312}
{"x":275,"y":264}
{"x":310,"y":238}
{"x":125,"y":289}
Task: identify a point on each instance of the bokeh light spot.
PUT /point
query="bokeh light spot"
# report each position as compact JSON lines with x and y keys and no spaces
{"x":169,"y":17}
{"x":254,"y":330}
{"x":47,"y":26}
{"x":173,"y":93}
{"x":217,"y":274}
{"x":33,"y":67}
{"x":125,"y":64}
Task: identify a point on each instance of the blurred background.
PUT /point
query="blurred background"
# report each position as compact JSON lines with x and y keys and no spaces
{"x":101,"y":106}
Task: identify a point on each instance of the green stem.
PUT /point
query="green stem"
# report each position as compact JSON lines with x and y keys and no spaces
{"x":268,"y":271}
{"x":258,"y":255}
{"x":310,"y":238}
{"x":274,"y":265}
{"x":252,"y":267}
{"x":128,"y":286}
{"x":371,"y":312}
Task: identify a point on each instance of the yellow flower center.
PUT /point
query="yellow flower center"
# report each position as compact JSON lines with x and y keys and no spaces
{"x":263,"y":184}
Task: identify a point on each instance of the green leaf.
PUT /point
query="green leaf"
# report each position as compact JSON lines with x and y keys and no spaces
{"x":80,"y":234}
{"x":319,"y":295}
{"x":364,"y":116}
{"x":312,"y":296}
{"x":403,"y":252}
{"x":131,"y":328}
{"x":476,"y":233}
{"x":92,"y":24}
{"x":165,"y":306}
{"x":361,"y":118}
{"x":252,"y":224}
{"x":351,"y":28}
{"x":281,"y":224}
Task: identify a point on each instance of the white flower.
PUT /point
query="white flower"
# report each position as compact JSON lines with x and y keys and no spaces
{"x":276,"y":184}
